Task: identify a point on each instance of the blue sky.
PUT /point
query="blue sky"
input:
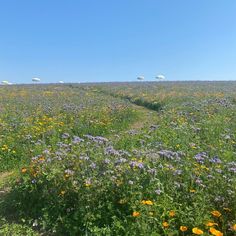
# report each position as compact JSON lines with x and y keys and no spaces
{"x":117,"y":40}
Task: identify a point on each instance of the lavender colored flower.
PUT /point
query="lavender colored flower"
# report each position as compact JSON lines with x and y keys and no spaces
{"x":198,"y":181}
{"x":111,"y":151}
{"x":107,"y":161}
{"x":65,"y":136}
{"x":120,"y":160}
{"x":93,"y":165}
{"x":140,"y":165}
{"x":158,"y":191}
{"x":152,"y":171}
{"x":69,"y":172}
{"x":46,"y":151}
{"x":178,"y":172}
{"x":200,"y":157}
{"x":77,"y":140}
{"x":215,"y":160}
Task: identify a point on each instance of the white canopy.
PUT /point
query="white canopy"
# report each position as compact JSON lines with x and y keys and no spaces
{"x":35,"y":79}
{"x":140,"y":78}
{"x":160,"y":77}
{"x":5,"y":82}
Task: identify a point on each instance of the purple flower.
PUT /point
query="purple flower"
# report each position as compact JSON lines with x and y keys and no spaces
{"x":46,"y":151}
{"x":69,"y":172}
{"x":106,"y":161}
{"x":93,"y":165}
{"x":198,"y":181}
{"x":152,"y":171}
{"x":111,"y":151}
{"x":177,"y":172}
{"x":140,"y":165}
{"x":77,"y":139}
{"x":65,"y":136}
{"x":215,"y":160}
{"x":200,"y":157}
{"x":158,"y":191}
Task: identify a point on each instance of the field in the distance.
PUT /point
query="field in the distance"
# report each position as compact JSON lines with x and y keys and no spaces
{"x":118,"y":159}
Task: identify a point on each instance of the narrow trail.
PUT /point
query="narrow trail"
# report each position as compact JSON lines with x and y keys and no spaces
{"x":148,"y":111}
{"x":5,"y":177}
{"x":146,"y":119}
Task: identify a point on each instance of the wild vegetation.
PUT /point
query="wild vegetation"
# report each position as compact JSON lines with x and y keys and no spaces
{"x":118,"y":159}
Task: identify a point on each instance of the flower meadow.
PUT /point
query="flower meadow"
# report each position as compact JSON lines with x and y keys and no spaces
{"x":118,"y":159}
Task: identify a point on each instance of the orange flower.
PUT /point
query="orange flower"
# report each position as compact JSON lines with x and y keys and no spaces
{"x":183,"y":228}
{"x":234,"y":227}
{"x":23,"y":170}
{"x":197,"y":231}
{"x":210,"y":224}
{"x":172,"y":213}
{"x":136,"y":214}
{"x":215,"y":232}
{"x":165,"y":224}
{"x":216,"y":213}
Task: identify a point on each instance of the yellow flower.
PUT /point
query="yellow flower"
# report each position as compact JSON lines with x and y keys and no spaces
{"x":148,"y":202}
{"x":62,"y":193}
{"x":216,"y":213}
{"x":122,"y":201}
{"x":183,"y":228}
{"x":192,"y":190}
{"x":215,"y":232}
{"x":172,"y":213}
{"x":23,"y":170}
{"x":136,"y":214}
{"x":197,"y":231}
{"x":165,"y":224}
{"x":227,"y":209}
{"x":41,"y":158}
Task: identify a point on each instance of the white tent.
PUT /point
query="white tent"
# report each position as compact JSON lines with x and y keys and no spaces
{"x":160,"y":77}
{"x":5,"y":82}
{"x":35,"y":79}
{"x":140,"y":78}
{"x":61,"y":82}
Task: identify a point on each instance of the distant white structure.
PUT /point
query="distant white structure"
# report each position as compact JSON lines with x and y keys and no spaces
{"x":5,"y":82}
{"x":140,"y":78}
{"x":35,"y":79}
{"x":61,"y":82}
{"x":160,"y":77}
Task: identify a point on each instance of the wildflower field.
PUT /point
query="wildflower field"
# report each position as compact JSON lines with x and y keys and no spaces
{"x":146,"y":158}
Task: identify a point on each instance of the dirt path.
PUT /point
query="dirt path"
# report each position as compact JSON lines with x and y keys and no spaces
{"x":5,"y":178}
{"x":147,"y":118}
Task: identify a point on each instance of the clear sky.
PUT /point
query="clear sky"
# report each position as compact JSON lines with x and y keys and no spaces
{"x":117,"y":40}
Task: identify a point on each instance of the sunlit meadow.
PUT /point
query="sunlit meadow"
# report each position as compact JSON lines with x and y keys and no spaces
{"x":118,"y":159}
